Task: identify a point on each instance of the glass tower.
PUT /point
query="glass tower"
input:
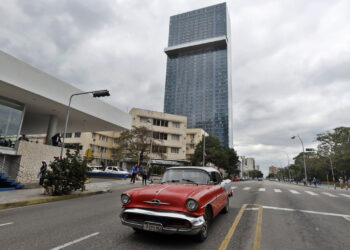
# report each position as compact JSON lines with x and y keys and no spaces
{"x":198,"y":79}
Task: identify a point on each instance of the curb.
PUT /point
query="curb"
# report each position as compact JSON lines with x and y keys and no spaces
{"x":47,"y":199}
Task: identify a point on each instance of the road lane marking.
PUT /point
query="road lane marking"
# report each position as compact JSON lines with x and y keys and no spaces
{"x":311,"y":193}
{"x":262,"y":189}
{"x":257,"y":237}
{"x":277,"y":190}
{"x":75,"y":241}
{"x":233,"y":188}
{"x":329,"y":194}
{"x":252,"y":208}
{"x":5,"y":224}
{"x":230,"y":233}
{"x":294,"y":191}
{"x":346,"y":195}
{"x":347,"y":218}
{"x":247,"y":188}
{"x":306,"y":211}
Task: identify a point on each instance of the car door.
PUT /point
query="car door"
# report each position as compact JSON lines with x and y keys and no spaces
{"x":217,"y":193}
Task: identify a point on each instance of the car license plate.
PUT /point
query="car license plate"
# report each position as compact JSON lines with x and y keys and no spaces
{"x":152,"y":227}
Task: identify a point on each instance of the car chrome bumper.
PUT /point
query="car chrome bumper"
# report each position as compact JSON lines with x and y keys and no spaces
{"x":195,"y":222}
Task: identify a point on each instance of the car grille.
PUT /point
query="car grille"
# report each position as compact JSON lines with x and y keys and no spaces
{"x":166,"y":222}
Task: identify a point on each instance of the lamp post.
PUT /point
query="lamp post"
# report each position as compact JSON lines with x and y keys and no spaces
{"x":203,"y":150}
{"x":288,"y":166}
{"x":98,"y":93}
{"x":150,"y":153}
{"x":302,"y":144}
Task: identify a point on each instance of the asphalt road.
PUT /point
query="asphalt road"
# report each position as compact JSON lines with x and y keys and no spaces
{"x":290,"y":217}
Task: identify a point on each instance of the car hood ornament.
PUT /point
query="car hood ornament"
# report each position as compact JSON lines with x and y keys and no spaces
{"x":156,"y":202}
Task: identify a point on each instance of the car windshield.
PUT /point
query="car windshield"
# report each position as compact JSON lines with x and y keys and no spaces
{"x":186,"y":176}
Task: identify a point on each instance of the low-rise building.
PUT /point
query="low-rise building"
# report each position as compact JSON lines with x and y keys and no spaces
{"x":168,"y":130}
{"x":273,"y":170}
{"x":193,"y":137}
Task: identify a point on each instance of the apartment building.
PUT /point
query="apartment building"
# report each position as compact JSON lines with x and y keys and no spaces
{"x":193,"y":137}
{"x":168,"y":130}
{"x":100,"y":143}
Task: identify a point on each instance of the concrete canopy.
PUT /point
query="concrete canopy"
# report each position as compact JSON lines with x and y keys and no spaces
{"x":45,"y":96}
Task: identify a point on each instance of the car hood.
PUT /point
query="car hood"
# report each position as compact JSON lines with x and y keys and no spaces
{"x":171,"y":196}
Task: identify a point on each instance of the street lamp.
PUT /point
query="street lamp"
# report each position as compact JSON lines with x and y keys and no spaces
{"x":98,"y":93}
{"x":150,"y":153}
{"x":302,"y":144}
{"x":288,"y":166}
{"x":203,"y":150}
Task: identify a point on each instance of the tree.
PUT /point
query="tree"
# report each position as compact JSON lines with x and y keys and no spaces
{"x":66,"y":174}
{"x":255,"y":174}
{"x":135,"y":144}
{"x":220,"y":156}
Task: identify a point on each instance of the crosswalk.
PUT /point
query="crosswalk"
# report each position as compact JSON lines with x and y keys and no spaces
{"x":292,"y":191}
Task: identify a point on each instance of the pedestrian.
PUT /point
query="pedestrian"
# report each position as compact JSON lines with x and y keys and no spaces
{"x":314,"y":181}
{"x":304,"y":181}
{"x":143,"y":171}
{"x":133,"y":173}
{"x":341,"y":182}
{"x":56,"y":139}
{"x":23,"y":138}
{"x":42,"y":172}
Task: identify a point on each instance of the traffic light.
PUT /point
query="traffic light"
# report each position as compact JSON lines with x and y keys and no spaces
{"x":100,"y":93}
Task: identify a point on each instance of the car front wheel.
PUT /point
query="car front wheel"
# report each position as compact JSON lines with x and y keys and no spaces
{"x":203,"y":234}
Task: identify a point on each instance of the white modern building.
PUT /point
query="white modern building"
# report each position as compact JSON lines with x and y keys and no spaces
{"x":34,"y":102}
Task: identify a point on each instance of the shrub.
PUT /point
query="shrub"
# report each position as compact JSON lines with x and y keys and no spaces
{"x":67,"y":174}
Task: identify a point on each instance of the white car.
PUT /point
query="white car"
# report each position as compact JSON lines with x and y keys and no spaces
{"x":116,"y":170}
{"x":96,"y":169}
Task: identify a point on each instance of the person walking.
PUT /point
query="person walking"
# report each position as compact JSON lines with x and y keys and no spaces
{"x":341,"y":182}
{"x":42,"y":172}
{"x":314,"y":181}
{"x":56,"y":139}
{"x":133,"y":174}
{"x":143,"y":171}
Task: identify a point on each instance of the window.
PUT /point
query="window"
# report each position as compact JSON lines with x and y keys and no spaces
{"x":158,"y":149}
{"x":144,"y":119}
{"x":176,"y":124}
{"x":175,"y":150}
{"x":68,"y":135}
{"x":160,"y":136}
{"x":191,"y":146}
{"x":175,"y":137}
{"x":116,"y":140}
{"x":191,"y":136}
{"x":93,"y":135}
{"x":102,"y":149}
{"x":103,"y":138}
{"x":92,"y":147}
{"x":158,"y":122}
{"x":77,"y":134}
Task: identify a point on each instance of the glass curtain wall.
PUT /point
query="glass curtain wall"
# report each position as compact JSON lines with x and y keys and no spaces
{"x":10,"y":122}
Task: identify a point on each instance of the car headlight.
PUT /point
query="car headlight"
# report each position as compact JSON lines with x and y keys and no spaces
{"x":191,"y":205}
{"x":125,"y":199}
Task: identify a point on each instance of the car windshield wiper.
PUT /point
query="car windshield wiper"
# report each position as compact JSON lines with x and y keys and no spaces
{"x":171,"y":181}
{"x":189,"y":181}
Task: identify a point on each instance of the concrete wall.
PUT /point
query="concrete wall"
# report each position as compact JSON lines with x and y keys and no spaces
{"x":31,"y":156}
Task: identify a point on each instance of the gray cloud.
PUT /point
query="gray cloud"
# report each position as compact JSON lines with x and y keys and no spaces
{"x":291,"y":60}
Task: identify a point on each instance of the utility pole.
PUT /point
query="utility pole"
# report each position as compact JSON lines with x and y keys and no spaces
{"x":203,"y":150}
{"x":302,"y":144}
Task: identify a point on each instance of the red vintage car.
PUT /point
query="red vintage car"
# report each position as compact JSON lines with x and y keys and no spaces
{"x":185,"y":202}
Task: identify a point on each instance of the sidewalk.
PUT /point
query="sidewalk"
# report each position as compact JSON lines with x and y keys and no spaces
{"x":323,"y":187}
{"x":24,"y":197}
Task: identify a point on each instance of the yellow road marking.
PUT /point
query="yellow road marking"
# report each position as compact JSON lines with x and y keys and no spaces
{"x":257,"y":237}
{"x":230,"y":233}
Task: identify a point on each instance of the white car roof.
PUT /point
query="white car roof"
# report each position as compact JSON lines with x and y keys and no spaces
{"x":207,"y":169}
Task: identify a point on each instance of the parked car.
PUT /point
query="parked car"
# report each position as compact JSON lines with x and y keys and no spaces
{"x":96,"y":169}
{"x":235,"y":179}
{"x":116,"y":170}
{"x":185,"y":201}
{"x":260,"y":179}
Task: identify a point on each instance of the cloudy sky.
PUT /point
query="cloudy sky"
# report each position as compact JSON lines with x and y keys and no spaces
{"x":291,"y":60}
